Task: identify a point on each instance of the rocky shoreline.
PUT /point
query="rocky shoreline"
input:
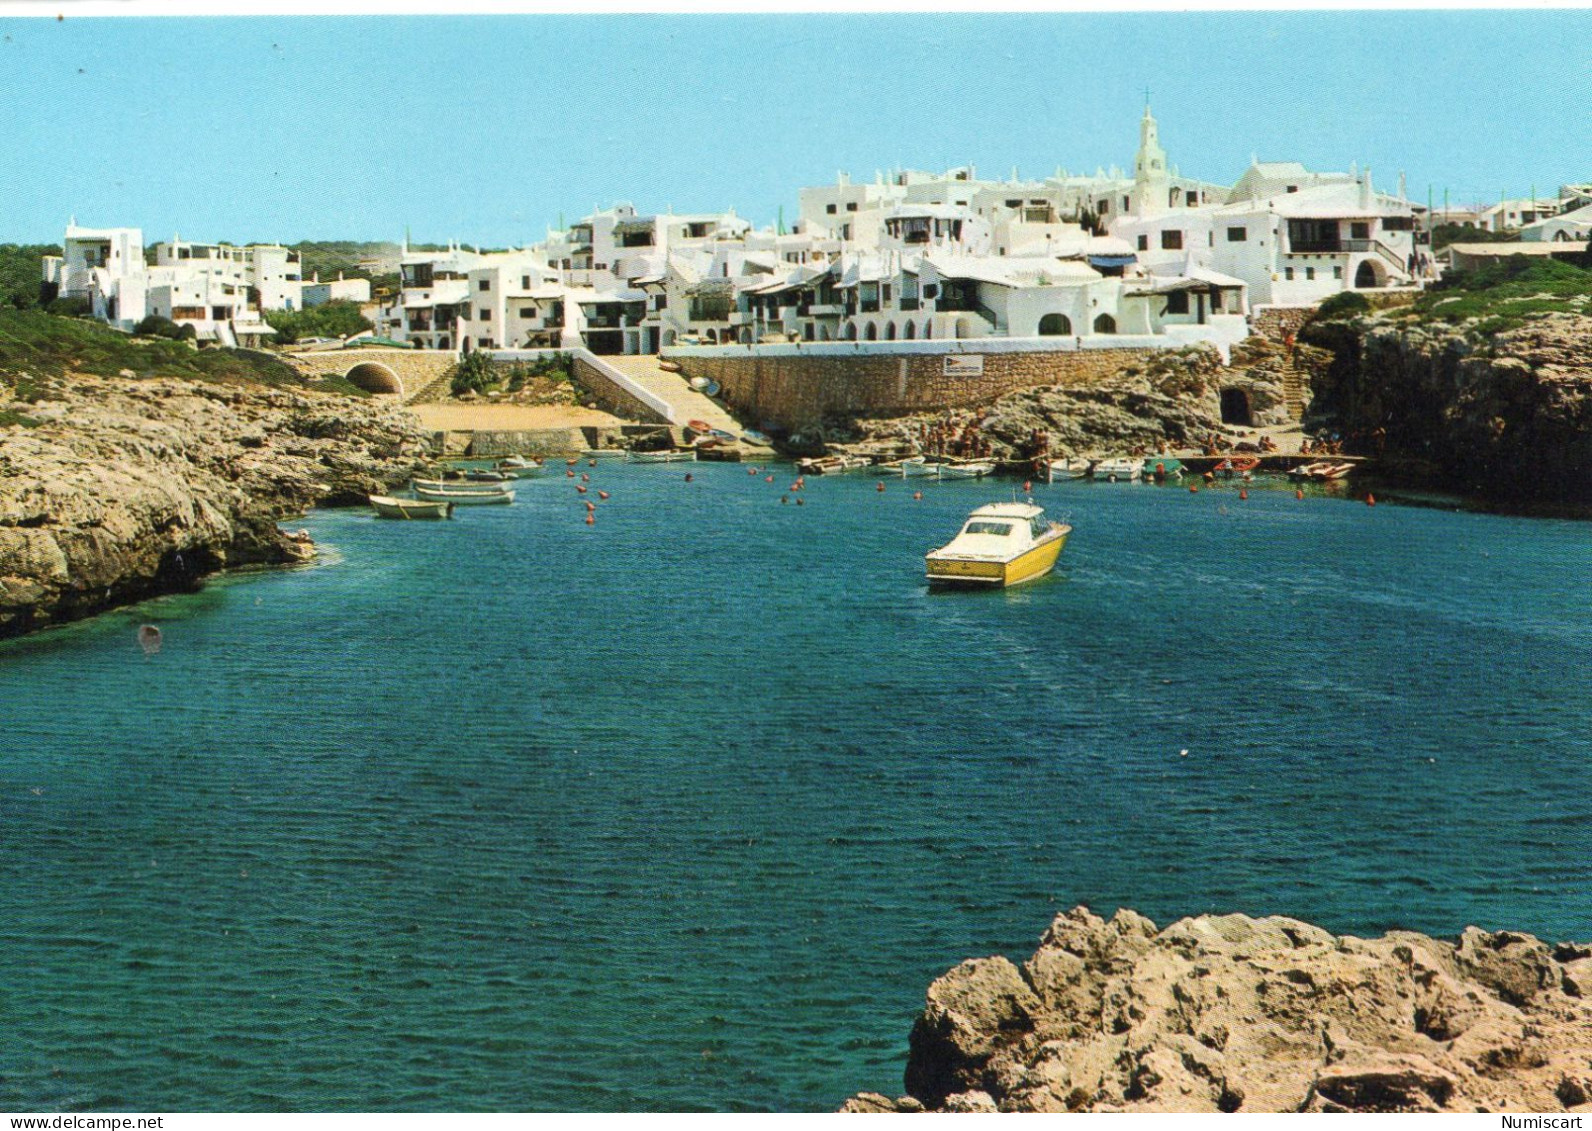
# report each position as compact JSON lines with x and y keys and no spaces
{"x":1224,"y":1013}
{"x":116,"y":490}
{"x":1504,"y":416}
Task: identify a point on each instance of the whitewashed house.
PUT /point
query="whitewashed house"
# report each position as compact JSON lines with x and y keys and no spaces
{"x":106,"y":267}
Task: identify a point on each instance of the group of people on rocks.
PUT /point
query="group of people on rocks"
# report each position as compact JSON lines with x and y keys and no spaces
{"x":949,"y":437}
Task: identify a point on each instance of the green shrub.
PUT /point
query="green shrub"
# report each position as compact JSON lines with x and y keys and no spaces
{"x":1346,"y":304}
{"x":71,"y":307}
{"x":475,"y":374}
{"x":156,"y":326}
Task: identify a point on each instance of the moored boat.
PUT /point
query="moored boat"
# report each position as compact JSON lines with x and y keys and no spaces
{"x":1321,"y":471}
{"x":1120,"y":467}
{"x":1000,"y":545}
{"x":1165,"y":468}
{"x":912,"y":467}
{"x":604,"y":453}
{"x":459,"y":487}
{"x":464,"y":498}
{"x":480,"y":476}
{"x":667,"y":456}
{"x":1075,"y":467}
{"x":965,"y":468}
{"x":757,"y":438}
{"x":515,"y":468}
{"x":831,"y":465}
{"x":389,"y":507}
{"x":705,"y":386}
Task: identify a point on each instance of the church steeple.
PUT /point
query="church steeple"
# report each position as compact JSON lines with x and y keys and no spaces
{"x":1150,"y":175}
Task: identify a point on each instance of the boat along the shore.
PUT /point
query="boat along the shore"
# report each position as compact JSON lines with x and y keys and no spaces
{"x":680,"y":455}
{"x":604,"y":453}
{"x":831,"y":465}
{"x":1321,"y":472}
{"x":965,"y":468}
{"x":1165,"y":468}
{"x":479,"y":476}
{"x":459,"y":487}
{"x":911,"y":467}
{"x":514,"y":468}
{"x":389,"y":507}
{"x":1075,"y":467}
{"x":1127,"y":468}
{"x":757,"y":438}
{"x":1000,"y":545}
{"x":465,"y":498}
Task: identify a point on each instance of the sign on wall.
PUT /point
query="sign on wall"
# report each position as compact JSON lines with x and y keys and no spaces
{"x":964,"y":365}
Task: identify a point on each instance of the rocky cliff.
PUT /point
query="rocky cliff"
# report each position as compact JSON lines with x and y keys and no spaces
{"x":1174,"y":398}
{"x":1229,"y":1013}
{"x":113,"y":490}
{"x":1506,"y":415}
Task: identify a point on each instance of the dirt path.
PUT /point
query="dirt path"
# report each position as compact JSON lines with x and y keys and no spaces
{"x":508,"y":417}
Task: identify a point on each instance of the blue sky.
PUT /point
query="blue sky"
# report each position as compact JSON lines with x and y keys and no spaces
{"x":486,"y":129}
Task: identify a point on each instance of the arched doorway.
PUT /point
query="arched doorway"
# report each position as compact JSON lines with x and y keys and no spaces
{"x":889,"y":331}
{"x":851,"y":331}
{"x":1368,"y":276}
{"x":1105,"y":324}
{"x":1052,"y":324}
{"x":1235,"y":407}
{"x":910,"y":332}
{"x":871,"y":332}
{"x":374,"y":377}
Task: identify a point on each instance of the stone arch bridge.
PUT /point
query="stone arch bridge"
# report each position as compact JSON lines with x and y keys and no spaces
{"x":407,"y":374}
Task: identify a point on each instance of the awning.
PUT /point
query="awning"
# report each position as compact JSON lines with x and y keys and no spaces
{"x":1112,"y":260}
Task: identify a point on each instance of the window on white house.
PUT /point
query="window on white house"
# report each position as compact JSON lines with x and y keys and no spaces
{"x":1177,"y":302}
{"x":1171,"y":240}
{"x":1310,"y":272}
{"x":1287,"y":273}
{"x":484,"y":314}
{"x":829,"y":208}
{"x":1337,"y":272}
{"x":486,"y":284}
{"x":1237,"y":235}
{"x":851,"y":206}
{"x":1144,"y":242}
{"x":527,"y":312}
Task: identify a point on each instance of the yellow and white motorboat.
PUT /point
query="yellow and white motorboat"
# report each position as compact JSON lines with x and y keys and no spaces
{"x":1000,"y":545}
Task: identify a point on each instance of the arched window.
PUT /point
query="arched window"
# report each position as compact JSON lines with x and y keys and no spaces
{"x":1105,"y":324}
{"x":910,"y":331}
{"x":889,"y":331}
{"x":851,"y":331}
{"x":1053,"y":324}
{"x":871,"y":332}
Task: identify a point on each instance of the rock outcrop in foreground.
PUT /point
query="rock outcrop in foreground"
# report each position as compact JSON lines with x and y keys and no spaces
{"x":118,"y":490}
{"x":1229,"y":1013}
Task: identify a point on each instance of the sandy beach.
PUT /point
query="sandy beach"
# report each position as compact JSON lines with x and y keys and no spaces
{"x":508,"y":417}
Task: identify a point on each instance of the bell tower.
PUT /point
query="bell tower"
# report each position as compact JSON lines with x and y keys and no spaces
{"x":1151,"y":178}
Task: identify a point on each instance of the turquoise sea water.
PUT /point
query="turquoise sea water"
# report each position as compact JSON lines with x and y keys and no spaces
{"x":686,"y":809}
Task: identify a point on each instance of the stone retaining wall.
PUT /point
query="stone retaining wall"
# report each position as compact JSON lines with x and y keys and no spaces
{"x":491,"y":445}
{"x":791,"y":392}
{"x":610,"y":396}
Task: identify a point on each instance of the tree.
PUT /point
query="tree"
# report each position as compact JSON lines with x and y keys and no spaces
{"x":330,"y":320}
{"x":21,"y":274}
{"x":476,"y":372}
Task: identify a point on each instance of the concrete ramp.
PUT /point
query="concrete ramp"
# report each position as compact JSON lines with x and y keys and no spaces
{"x":685,"y":403}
